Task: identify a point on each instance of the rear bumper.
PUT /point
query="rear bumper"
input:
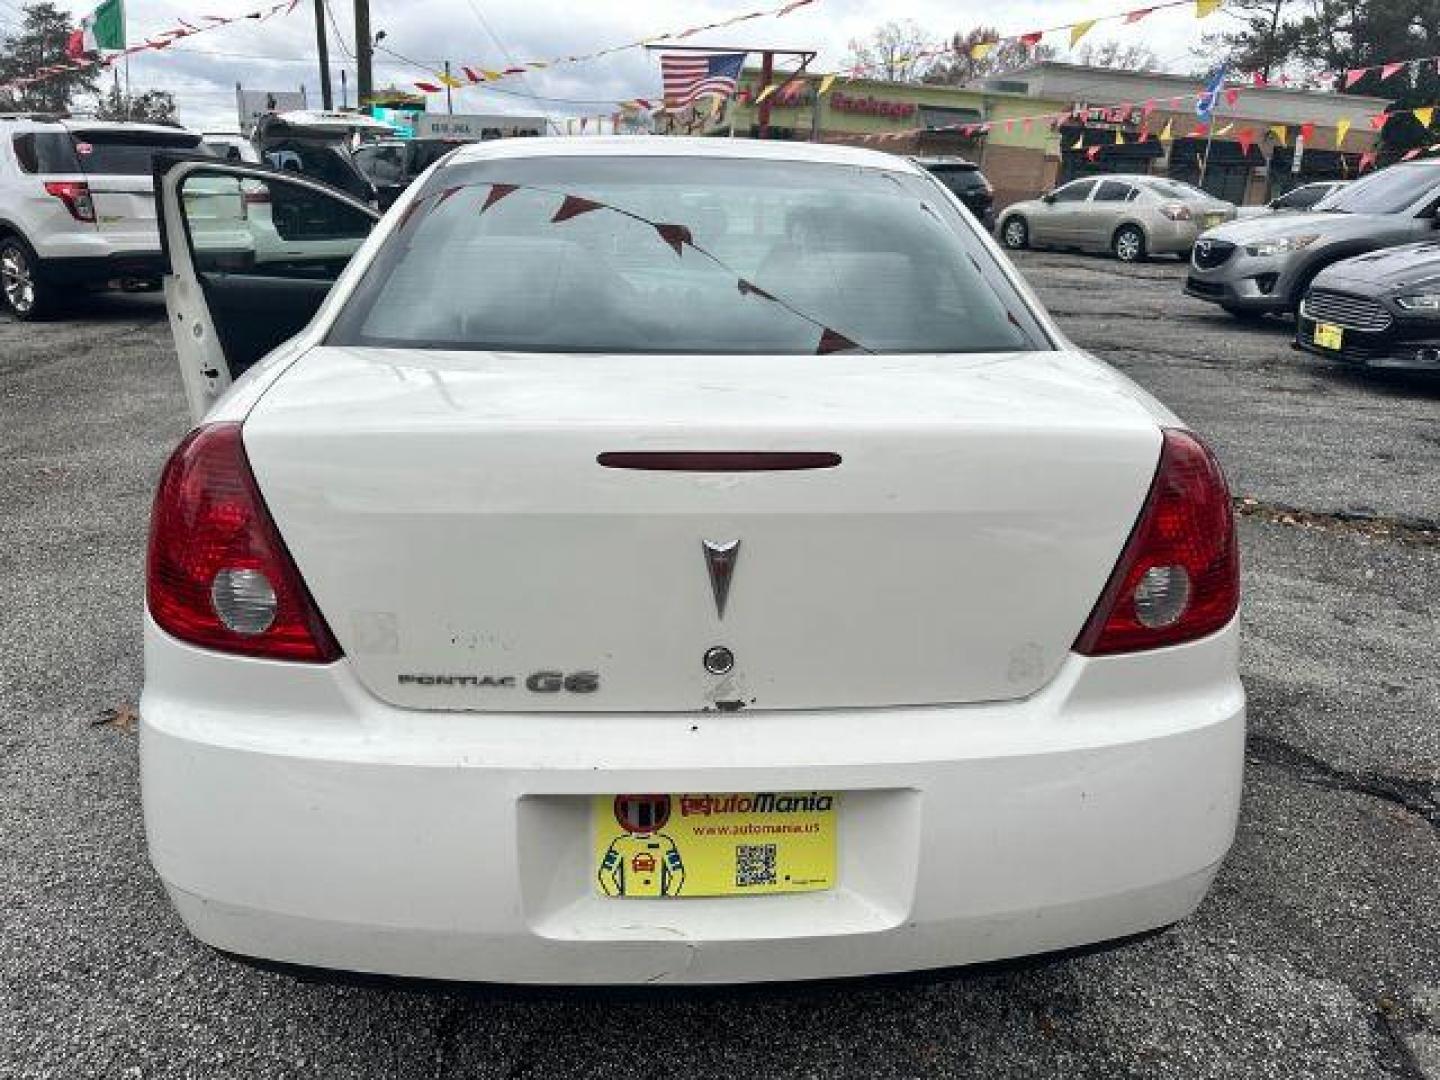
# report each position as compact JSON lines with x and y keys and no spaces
{"x":98,"y":269}
{"x":293,"y":817}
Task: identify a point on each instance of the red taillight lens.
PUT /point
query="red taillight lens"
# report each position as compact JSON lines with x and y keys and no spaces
{"x":76,"y":197}
{"x":218,"y":573}
{"x":1179,"y":576}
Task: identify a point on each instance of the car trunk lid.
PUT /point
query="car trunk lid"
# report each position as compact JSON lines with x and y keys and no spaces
{"x":452,"y":517}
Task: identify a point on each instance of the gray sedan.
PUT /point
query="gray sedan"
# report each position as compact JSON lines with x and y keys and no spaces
{"x":1265,"y":264}
{"x":1130,"y":215}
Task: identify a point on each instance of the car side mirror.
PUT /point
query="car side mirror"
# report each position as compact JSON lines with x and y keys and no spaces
{"x":1048,"y":197}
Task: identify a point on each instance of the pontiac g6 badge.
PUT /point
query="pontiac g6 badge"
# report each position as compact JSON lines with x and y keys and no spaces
{"x":720,"y":560}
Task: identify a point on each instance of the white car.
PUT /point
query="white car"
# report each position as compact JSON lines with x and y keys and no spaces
{"x":1296,"y":200}
{"x":620,"y":579}
{"x":77,"y":210}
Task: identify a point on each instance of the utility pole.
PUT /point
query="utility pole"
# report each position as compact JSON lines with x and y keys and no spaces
{"x":364,"y":53}
{"x":449,"y":101}
{"x":322,"y":49}
{"x":344,"y":90}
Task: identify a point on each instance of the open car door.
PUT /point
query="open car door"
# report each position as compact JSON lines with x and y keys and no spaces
{"x":251,"y":254}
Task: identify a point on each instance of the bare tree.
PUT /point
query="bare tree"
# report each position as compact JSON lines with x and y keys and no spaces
{"x":891,"y":51}
{"x":1122,"y":56}
{"x":959,"y":65}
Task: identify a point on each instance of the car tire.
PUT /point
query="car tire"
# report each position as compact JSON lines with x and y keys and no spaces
{"x":1128,"y":244}
{"x":1015,"y":233}
{"x":26,"y":294}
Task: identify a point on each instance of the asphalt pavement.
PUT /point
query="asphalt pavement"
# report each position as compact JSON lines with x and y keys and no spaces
{"x":1316,"y":955}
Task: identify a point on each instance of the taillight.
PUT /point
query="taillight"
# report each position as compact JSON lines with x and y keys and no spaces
{"x":76,"y":197}
{"x":218,"y":573}
{"x":1179,"y":576}
{"x":1176,"y":211}
{"x":257,"y":198}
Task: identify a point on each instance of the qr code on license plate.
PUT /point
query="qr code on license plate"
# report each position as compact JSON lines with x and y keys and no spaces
{"x":754,"y":864}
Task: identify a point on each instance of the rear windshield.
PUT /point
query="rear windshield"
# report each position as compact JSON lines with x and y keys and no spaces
{"x":127,"y":153}
{"x":1386,"y":192}
{"x":684,"y":255}
{"x":959,"y":178}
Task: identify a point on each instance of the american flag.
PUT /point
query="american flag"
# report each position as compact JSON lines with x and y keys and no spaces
{"x":689,"y":76}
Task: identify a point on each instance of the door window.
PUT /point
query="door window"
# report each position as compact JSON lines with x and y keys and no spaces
{"x":1114,"y":191}
{"x":1076,"y":192}
{"x":269,"y":226}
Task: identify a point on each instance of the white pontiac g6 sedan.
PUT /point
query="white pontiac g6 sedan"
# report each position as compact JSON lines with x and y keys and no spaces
{"x":665,"y":560}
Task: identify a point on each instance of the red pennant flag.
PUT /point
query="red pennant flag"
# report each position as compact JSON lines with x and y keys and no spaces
{"x":644,"y":104}
{"x":1307,"y":130}
{"x":1200,"y":131}
{"x":429,"y":88}
{"x":1390,"y":69}
{"x":1092,"y":153}
{"x":1353,"y":76}
{"x":1032,"y":39}
{"x":1259,"y":79}
{"x":448,"y":193}
{"x":1379,"y":120}
{"x":513,"y":71}
{"x":677,"y":236}
{"x":1029,"y":123}
{"x":1136,"y":15}
{"x":573,"y":206}
{"x":498,"y":192}
{"x":832,"y":341}
{"x":1246,"y":138}
{"x":1147,"y":109}
{"x":747,"y":289}
{"x":1366,"y":160}
{"x":1232,"y":95}
{"x":472,"y":75}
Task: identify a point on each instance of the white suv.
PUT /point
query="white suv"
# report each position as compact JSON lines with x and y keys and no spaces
{"x":76,"y":206}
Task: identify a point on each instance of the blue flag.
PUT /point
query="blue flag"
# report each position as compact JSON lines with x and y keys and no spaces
{"x":1205,"y":106}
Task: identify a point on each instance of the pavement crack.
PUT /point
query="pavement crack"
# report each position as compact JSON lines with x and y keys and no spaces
{"x":1392,"y":1024}
{"x":1418,"y":797}
{"x":1404,"y":529}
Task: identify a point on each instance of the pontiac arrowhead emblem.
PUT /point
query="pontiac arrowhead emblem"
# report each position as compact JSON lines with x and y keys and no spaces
{"x":720,"y":561}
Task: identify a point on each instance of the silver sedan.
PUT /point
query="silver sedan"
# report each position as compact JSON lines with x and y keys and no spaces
{"x":1130,"y":215}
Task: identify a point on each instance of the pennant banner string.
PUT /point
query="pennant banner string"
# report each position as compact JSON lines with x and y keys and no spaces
{"x":161,"y":40}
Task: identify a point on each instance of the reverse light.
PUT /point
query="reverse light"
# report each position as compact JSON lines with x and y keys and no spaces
{"x":76,"y":197}
{"x":1176,"y":211}
{"x":1178,"y":578}
{"x":218,"y":574}
{"x":1266,"y":248}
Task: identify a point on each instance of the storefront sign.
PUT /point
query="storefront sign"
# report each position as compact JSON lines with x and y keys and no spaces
{"x":1107,"y":117}
{"x":870,"y":106}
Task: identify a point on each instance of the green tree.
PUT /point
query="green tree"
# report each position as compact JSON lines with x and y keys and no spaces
{"x":150,"y":107}
{"x":1264,"y":38}
{"x":39,"y":41}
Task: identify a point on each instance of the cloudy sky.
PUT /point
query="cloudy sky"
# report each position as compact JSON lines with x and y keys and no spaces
{"x":279,"y":54}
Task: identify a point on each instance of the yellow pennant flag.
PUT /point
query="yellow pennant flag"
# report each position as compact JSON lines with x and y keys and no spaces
{"x":1225,"y":130}
{"x":1425,"y":115}
{"x":825,"y":84}
{"x":981,"y":49}
{"x":1079,"y":30}
{"x":1279,"y":131}
{"x":491,"y":76}
{"x":1079,"y":143}
{"x":1342,"y":128}
{"x":1119,"y":138}
{"x":766,"y":92}
{"x":1168,"y":133}
{"x":1207,"y":7}
{"x":450,"y":81}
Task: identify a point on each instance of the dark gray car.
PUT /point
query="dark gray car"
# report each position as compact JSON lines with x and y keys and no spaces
{"x":1266,"y":264}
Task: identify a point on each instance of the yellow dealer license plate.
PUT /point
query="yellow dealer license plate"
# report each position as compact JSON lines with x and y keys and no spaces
{"x":728,"y":844}
{"x":1328,"y":335}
